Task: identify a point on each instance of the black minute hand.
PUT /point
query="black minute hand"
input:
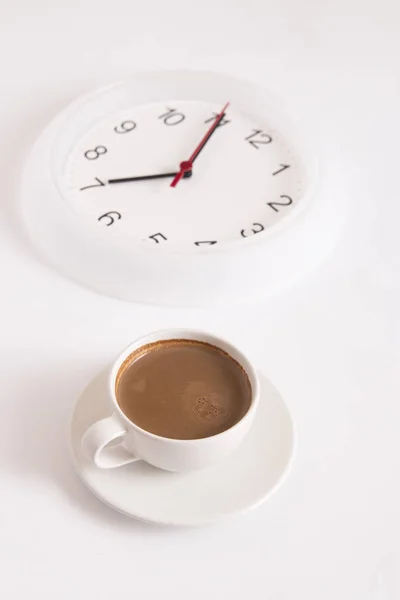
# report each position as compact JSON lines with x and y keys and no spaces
{"x":146,"y":177}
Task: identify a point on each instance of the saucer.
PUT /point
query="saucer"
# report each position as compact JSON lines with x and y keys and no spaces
{"x":242,"y":481}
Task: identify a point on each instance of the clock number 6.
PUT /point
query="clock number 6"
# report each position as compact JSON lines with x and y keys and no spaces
{"x":273,"y":205}
{"x":257,"y":228}
{"x":94,"y":154}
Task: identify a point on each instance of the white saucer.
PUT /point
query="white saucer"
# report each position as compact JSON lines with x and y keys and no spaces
{"x":243,"y":481}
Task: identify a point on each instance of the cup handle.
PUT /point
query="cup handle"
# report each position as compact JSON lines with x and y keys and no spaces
{"x":96,"y":439}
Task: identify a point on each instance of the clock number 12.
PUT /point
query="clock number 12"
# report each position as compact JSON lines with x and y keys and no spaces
{"x":258,"y":137}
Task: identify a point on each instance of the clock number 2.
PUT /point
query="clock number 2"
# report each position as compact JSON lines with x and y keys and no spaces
{"x":111,"y":216}
{"x":257,"y":228}
{"x":263,"y":138}
{"x":288,"y":202}
{"x":172,"y":117}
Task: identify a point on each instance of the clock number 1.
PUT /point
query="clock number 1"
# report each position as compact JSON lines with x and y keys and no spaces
{"x":283,"y":167}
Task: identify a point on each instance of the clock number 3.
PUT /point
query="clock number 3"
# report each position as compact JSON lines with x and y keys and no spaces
{"x":95,"y":153}
{"x":258,"y":137}
{"x":257,"y":228}
{"x":172,"y":117}
{"x":111,"y":216}
{"x":287,"y":202}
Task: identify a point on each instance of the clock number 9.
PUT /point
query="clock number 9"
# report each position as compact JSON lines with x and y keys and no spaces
{"x":94,"y":154}
{"x":125,"y":127}
{"x":172,"y":117}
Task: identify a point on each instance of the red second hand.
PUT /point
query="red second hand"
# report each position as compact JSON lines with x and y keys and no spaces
{"x":187,"y":165}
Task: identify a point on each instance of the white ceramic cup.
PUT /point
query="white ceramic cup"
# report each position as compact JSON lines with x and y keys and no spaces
{"x":132,"y":443}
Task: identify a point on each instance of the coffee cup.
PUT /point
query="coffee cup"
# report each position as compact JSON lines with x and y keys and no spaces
{"x":118,"y":440}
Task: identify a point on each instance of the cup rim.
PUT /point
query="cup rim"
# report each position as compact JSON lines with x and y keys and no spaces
{"x":196,"y":335}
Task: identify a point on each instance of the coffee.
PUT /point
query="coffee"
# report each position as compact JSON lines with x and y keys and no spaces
{"x":183,"y":389}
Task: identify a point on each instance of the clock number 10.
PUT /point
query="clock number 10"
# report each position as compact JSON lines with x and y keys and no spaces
{"x":172,"y":117}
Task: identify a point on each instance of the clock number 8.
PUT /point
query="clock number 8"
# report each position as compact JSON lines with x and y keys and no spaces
{"x":94,"y":154}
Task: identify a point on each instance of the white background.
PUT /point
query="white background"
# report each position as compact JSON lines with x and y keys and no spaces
{"x":331,"y":343}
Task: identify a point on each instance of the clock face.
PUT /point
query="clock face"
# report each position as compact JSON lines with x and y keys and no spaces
{"x":217,"y":202}
{"x":246,"y":179}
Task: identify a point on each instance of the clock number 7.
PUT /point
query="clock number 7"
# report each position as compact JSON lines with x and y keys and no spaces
{"x":98,"y":184}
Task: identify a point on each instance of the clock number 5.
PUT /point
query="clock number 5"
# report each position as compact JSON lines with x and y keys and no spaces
{"x":258,"y":137}
{"x":172,"y":117}
{"x":156,"y":235}
{"x":95,"y":153}
{"x":257,"y":228}
{"x":287,"y":202}
{"x":112,"y":216}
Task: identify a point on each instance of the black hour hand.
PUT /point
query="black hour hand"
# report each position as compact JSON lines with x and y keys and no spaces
{"x":146,"y":177}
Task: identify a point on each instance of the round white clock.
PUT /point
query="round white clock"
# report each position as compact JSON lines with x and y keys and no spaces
{"x":180,"y":188}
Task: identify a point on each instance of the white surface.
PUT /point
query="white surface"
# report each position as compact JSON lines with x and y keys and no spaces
{"x":330,"y":344}
{"x":241,"y":482}
{"x":165,"y":453}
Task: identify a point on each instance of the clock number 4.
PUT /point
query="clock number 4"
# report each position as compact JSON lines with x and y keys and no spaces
{"x":172,"y":117}
{"x":258,"y":137}
{"x":257,"y":228}
{"x":95,"y":153}
{"x":288,"y":201}
{"x":112,"y":216}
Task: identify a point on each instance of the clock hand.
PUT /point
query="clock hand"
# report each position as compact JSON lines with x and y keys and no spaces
{"x":186,"y":166}
{"x":187,"y":173}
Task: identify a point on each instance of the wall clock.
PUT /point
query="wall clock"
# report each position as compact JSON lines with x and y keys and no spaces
{"x":178,"y":188}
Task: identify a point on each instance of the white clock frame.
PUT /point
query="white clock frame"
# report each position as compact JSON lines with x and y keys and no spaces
{"x":235,"y":271}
